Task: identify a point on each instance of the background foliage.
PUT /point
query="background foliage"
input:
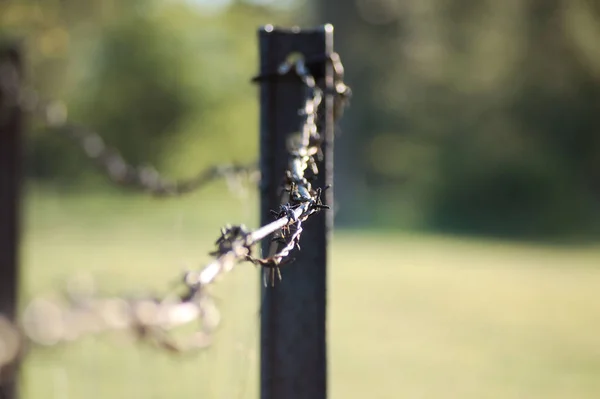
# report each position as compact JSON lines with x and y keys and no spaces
{"x":474,"y":117}
{"x":477,"y":116}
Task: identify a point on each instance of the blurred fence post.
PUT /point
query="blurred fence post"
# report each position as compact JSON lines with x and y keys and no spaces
{"x":10,"y":179}
{"x":293,"y":356}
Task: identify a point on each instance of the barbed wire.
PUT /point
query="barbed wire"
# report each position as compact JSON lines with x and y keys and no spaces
{"x":53,"y":116}
{"x":82,"y":312}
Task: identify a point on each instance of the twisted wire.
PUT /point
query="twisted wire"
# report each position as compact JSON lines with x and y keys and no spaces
{"x":53,"y":115}
{"x":151,"y":319}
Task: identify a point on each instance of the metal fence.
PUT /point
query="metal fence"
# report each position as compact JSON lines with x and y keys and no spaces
{"x":302,"y":93}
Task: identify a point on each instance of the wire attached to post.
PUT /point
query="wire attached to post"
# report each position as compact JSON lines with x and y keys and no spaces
{"x":151,"y":319}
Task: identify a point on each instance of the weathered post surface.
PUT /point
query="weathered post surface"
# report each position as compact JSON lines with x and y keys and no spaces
{"x":293,"y":361}
{"x":10,"y":180}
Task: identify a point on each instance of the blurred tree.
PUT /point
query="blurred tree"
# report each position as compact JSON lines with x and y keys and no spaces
{"x":165,"y":82}
{"x":470,"y":116}
{"x":467,"y":116}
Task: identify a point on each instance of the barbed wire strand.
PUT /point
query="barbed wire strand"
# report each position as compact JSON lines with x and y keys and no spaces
{"x":53,"y":115}
{"x":50,"y":322}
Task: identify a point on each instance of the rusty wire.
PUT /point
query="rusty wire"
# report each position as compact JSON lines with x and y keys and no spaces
{"x":152,"y":319}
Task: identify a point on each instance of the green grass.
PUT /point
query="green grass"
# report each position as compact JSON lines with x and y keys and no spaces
{"x":409,"y":317}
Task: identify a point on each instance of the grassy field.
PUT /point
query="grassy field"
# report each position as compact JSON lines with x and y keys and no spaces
{"x":409,"y":316}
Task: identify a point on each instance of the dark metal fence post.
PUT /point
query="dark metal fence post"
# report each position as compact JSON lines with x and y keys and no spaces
{"x":10,"y":160}
{"x":293,"y":322}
